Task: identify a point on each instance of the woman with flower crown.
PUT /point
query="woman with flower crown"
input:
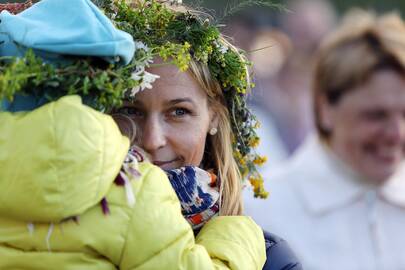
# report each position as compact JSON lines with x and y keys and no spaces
{"x":190,"y":113}
{"x":71,"y":195}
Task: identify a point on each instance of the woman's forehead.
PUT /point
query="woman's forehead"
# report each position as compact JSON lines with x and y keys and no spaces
{"x":170,"y":93}
{"x":383,"y":89}
{"x":173,"y":84}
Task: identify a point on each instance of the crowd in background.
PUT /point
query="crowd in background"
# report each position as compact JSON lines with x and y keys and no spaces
{"x":281,"y":45}
{"x":335,"y":171}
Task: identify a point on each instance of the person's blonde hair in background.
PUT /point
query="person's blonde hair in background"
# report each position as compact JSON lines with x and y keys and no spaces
{"x":364,"y":44}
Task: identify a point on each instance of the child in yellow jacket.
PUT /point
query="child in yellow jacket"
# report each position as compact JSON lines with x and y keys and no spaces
{"x":71,"y":195}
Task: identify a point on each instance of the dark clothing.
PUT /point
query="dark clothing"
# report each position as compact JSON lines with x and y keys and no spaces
{"x":279,"y":254}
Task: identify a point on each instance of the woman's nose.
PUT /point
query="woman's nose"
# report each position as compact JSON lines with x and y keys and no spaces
{"x":395,"y":130}
{"x":152,"y":135}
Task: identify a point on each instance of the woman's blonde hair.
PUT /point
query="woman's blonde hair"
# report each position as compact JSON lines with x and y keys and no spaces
{"x":362,"y":45}
{"x":219,"y":147}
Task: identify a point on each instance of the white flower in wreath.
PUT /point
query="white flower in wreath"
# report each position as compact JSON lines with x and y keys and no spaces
{"x":221,"y":47}
{"x":144,"y":78}
{"x":145,"y":54}
{"x":139,"y":45}
{"x":178,"y":2}
{"x":137,"y":74}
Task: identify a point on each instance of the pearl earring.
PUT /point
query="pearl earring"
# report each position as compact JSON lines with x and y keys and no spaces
{"x":213,"y":131}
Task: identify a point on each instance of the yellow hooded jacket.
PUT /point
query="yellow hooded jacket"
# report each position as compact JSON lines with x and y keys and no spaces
{"x":58,"y":162}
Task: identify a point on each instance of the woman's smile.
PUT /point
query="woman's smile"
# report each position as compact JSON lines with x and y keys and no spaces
{"x":166,"y":163}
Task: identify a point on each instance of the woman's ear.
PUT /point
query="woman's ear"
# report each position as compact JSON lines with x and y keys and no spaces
{"x":214,"y":122}
{"x":326,"y":114}
{"x":126,"y":125}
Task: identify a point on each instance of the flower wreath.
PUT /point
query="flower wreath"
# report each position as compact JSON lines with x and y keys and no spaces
{"x":158,"y":31}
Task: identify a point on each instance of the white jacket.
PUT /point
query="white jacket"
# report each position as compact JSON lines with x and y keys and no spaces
{"x":331,"y":219}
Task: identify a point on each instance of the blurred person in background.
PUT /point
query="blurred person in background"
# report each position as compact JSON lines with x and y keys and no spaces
{"x":340,"y":200}
{"x":254,"y":30}
{"x":281,"y":46}
{"x":305,"y":23}
{"x":282,"y":52}
{"x":273,"y":48}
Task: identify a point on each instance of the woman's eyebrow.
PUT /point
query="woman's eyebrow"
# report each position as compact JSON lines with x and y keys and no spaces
{"x":180,"y":100}
{"x":132,"y":103}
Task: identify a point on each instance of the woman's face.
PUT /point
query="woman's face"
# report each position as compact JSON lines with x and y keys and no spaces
{"x":173,"y":118}
{"x":368,"y":126}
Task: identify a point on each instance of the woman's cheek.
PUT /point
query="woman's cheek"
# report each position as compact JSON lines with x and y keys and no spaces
{"x":194,"y":148}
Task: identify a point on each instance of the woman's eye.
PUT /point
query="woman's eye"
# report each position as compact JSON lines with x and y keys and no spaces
{"x":179,"y":112}
{"x":130,"y":111}
{"x":375,"y":115}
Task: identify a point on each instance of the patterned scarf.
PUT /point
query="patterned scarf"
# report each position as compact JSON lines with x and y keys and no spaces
{"x":198,"y":193}
{"x":196,"y":189}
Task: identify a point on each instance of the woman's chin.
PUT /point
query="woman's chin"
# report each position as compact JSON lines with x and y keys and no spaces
{"x":169,"y":165}
{"x":380,"y":173}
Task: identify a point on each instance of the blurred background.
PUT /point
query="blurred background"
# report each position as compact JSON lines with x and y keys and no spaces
{"x":281,"y":42}
{"x":340,"y":5}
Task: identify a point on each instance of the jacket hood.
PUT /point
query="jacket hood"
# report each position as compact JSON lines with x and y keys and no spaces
{"x":61,"y":169}
{"x":64,"y":27}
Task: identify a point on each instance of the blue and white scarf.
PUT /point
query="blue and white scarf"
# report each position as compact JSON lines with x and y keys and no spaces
{"x":197,"y":189}
{"x":198,"y":193}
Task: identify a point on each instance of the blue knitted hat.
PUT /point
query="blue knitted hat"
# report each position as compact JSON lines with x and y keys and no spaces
{"x":54,"y":28}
